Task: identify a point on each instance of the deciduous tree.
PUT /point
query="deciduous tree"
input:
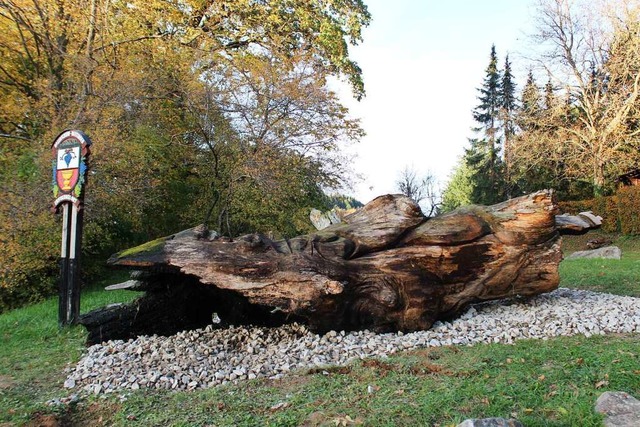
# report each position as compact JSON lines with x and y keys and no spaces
{"x":592,"y":50}
{"x":133,"y":74}
{"x":422,"y":190}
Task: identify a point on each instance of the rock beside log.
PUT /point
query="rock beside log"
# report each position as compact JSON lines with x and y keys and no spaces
{"x":607,"y":252}
{"x":619,"y":409}
{"x":385,"y":267}
{"x":598,"y":243}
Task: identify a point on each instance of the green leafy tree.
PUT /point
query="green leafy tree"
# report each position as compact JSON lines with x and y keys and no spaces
{"x":141,"y":79}
{"x":287,"y":129}
{"x":459,"y":188}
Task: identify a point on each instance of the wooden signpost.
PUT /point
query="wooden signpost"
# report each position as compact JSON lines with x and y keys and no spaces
{"x":70,"y":153}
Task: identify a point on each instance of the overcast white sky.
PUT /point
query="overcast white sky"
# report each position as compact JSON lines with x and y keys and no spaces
{"x":423,"y":61}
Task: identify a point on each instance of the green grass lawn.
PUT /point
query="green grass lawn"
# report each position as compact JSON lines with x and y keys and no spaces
{"x":553,"y":383}
{"x":34,"y":352}
{"x":621,"y":277}
{"x":542,"y":383}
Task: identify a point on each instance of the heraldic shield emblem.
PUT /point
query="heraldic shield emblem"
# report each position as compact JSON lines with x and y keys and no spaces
{"x":70,"y":151}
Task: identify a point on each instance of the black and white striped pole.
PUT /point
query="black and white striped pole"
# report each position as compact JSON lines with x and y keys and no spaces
{"x":70,"y":155}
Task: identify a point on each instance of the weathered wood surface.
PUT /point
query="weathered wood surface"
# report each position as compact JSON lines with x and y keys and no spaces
{"x":386,"y":267}
{"x":579,"y":223}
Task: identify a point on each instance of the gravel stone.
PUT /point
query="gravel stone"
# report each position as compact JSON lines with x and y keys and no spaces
{"x":211,"y":356}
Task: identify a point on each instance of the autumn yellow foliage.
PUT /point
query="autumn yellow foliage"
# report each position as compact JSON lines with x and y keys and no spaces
{"x":619,"y":212}
{"x":199,"y":111}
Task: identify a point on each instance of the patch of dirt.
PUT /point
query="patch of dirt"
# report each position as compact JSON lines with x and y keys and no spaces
{"x":427,"y":368}
{"x":378,"y":364}
{"x":44,"y":420}
{"x":92,"y":414}
{"x":6,"y":382}
{"x":329,"y":370}
{"x":381,"y":368}
{"x":432,"y":353}
{"x":315,"y":419}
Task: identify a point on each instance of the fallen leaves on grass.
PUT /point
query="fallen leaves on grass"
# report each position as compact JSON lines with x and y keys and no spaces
{"x":43,"y":420}
{"x":426,"y":368}
{"x":553,"y":390}
{"x":6,"y":382}
{"x":347,"y":421}
{"x":604,"y":382}
{"x":372,"y":388}
{"x":279,"y":405}
{"x":381,"y":368}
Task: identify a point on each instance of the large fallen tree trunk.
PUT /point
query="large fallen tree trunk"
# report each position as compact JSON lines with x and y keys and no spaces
{"x":386,"y":267}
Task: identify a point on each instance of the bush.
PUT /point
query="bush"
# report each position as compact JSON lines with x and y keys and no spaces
{"x":628,"y":199}
{"x":619,"y":212}
{"x":29,"y":245}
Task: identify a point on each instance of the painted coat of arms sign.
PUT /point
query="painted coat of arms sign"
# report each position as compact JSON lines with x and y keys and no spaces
{"x":70,"y":151}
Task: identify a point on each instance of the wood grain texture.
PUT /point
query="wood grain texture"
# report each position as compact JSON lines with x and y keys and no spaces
{"x":386,"y":267}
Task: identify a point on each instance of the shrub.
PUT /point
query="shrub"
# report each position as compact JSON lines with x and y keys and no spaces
{"x":29,"y":244}
{"x":619,"y":212}
{"x":628,"y":199}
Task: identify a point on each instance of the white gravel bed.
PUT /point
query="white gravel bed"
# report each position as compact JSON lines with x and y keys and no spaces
{"x":209,"y":357}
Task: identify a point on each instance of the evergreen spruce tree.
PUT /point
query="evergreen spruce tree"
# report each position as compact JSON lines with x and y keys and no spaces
{"x":508,"y":98}
{"x":532,"y":124}
{"x":549,"y":95}
{"x":527,"y":177}
{"x":531,"y":98}
{"x":483,"y":157}
{"x":508,"y":116}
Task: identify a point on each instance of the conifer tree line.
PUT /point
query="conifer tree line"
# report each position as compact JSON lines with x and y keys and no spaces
{"x":574,"y":124}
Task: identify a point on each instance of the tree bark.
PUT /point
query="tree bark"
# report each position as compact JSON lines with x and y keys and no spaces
{"x":386,"y":267}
